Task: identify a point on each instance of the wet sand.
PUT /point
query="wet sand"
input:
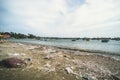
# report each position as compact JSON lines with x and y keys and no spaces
{"x":52,"y":63}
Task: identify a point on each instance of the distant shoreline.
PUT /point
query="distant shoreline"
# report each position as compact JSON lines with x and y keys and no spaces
{"x":32,"y":36}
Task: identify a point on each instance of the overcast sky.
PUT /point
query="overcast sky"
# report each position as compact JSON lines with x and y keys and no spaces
{"x":61,"y":18}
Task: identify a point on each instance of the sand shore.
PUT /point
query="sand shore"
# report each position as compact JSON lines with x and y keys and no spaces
{"x":52,"y":63}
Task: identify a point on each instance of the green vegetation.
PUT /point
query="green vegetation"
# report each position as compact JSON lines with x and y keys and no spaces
{"x":31,"y":36}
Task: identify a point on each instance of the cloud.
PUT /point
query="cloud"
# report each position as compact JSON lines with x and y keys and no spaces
{"x":68,"y":18}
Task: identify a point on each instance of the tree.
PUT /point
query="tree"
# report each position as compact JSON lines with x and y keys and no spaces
{"x":31,"y":36}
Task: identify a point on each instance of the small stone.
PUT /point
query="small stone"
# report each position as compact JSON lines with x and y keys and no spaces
{"x":46,"y":57}
{"x":49,"y":56}
{"x":64,"y":56}
{"x":28,"y":59}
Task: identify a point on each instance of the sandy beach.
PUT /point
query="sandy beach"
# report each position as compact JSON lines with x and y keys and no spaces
{"x":52,"y":63}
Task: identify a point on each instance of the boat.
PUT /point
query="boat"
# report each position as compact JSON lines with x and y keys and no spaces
{"x":105,"y":40}
{"x":73,"y":40}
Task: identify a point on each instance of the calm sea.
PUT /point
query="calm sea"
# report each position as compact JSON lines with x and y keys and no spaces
{"x":93,"y":45}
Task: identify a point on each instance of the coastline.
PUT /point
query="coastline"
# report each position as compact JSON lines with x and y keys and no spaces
{"x":64,"y":63}
{"x":102,"y":52}
{"x":98,"y":52}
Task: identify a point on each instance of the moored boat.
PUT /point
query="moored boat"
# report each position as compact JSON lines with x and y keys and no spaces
{"x":105,"y":40}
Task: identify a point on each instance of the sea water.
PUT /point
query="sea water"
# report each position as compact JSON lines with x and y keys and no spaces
{"x":93,"y":45}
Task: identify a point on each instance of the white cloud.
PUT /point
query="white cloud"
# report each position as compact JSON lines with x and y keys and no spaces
{"x":95,"y":12}
{"x":56,"y":18}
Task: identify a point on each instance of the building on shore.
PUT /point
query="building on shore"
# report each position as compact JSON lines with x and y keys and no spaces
{"x":6,"y":36}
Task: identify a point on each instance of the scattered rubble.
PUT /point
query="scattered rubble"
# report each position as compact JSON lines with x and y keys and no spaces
{"x":80,"y":65}
{"x":15,"y":54}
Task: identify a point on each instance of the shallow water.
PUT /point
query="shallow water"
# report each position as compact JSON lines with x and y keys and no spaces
{"x":93,"y":45}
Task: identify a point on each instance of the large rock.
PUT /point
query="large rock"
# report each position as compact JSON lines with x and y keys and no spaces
{"x":13,"y":63}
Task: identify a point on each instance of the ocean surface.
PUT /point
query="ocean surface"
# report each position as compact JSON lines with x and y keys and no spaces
{"x":111,"y":47}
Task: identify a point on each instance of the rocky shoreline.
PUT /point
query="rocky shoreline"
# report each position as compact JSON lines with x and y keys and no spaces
{"x":52,"y":63}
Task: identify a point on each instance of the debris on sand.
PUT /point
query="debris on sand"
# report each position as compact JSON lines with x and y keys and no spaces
{"x":15,"y":54}
{"x":69,"y":70}
{"x":48,"y":61}
{"x":48,"y":68}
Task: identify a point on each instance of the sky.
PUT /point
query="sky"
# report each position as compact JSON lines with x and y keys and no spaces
{"x":61,"y":18}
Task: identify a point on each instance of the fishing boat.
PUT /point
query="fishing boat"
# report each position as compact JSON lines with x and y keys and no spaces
{"x":73,"y":40}
{"x":105,"y":40}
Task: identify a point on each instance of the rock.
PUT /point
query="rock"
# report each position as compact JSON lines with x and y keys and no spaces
{"x":49,"y":56}
{"x":48,"y":68}
{"x":86,"y":77}
{"x":115,"y":77}
{"x":47,"y":65}
{"x":27,"y":59}
{"x":12,"y":63}
{"x":64,"y":56}
{"x":69,"y":70}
